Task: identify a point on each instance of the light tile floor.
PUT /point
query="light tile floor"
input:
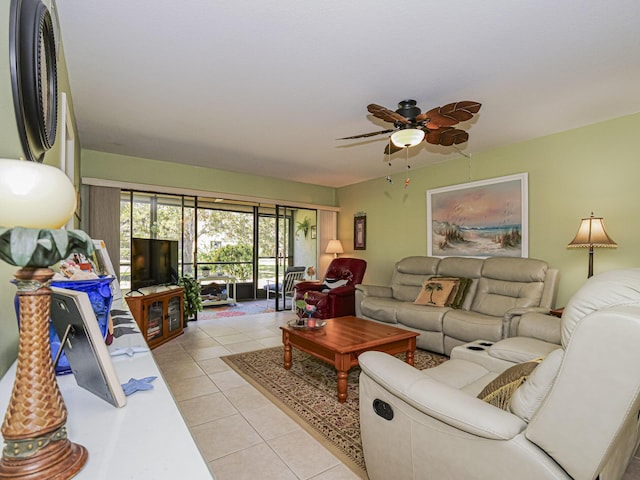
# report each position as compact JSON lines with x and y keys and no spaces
{"x":240,"y":433}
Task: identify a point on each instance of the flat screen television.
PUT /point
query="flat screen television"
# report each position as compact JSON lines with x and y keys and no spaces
{"x":153,"y":262}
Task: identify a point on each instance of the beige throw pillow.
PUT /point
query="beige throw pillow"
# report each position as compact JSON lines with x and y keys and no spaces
{"x":435,"y":292}
{"x":498,"y":392}
{"x":527,"y":400}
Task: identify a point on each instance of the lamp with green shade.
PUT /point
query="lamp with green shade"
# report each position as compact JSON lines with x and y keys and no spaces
{"x":36,"y":201}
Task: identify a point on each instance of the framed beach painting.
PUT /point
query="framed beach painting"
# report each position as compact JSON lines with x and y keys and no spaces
{"x":486,"y":218}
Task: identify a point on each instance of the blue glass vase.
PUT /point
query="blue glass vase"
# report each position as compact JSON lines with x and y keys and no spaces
{"x":99,"y":292}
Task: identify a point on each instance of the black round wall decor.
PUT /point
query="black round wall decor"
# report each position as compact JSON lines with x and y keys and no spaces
{"x":34,"y":79}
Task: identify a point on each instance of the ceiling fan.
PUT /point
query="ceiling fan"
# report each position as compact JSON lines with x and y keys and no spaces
{"x":411,"y":126}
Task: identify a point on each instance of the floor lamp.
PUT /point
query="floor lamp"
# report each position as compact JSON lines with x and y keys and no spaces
{"x":592,"y":233}
{"x":36,"y":200}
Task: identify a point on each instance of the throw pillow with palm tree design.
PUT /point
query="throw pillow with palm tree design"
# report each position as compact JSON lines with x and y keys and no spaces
{"x":435,"y":292}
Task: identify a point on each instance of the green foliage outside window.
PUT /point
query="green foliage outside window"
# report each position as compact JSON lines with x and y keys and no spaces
{"x":224,"y":238}
{"x":229,"y":255}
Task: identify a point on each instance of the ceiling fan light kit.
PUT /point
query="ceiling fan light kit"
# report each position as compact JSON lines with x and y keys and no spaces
{"x":411,"y":126}
{"x":408,"y":137}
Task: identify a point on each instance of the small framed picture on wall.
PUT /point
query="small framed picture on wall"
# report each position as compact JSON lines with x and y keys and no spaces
{"x":360,"y":233}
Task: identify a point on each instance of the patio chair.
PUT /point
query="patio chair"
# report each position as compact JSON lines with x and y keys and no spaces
{"x":286,"y":289}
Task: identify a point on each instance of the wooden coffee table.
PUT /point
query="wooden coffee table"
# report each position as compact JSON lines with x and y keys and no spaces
{"x":342,"y":339}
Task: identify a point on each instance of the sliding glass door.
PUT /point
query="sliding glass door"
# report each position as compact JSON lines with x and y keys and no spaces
{"x":296,"y":246}
{"x":275,"y":252}
{"x":251,"y":242}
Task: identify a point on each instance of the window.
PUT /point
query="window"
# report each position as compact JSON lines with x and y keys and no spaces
{"x":225,"y":242}
{"x":228,"y":237}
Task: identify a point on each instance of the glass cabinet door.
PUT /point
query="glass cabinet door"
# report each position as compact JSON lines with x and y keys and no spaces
{"x":154,"y":320}
{"x":173,"y":313}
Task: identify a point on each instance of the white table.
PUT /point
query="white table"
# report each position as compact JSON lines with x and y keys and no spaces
{"x":145,"y":440}
{"x":228,"y":281}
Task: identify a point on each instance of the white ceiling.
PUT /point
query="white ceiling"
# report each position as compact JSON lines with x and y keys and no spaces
{"x":267,"y":86}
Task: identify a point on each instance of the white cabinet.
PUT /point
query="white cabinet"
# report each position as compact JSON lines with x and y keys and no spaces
{"x":147,"y":439}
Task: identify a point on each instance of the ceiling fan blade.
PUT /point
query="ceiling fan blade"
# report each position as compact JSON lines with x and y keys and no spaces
{"x":461,"y":111}
{"x":471,"y":106}
{"x":431,"y":126}
{"x":454,"y":137}
{"x":450,"y":114}
{"x":436,"y":118}
{"x":385,"y":114}
{"x":446,"y":136}
{"x":433,"y":136}
{"x":365,"y":135}
{"x":391,"y":148}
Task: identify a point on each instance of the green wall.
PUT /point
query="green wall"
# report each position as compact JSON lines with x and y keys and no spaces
{"x":10,"y":147}
{"x":594,"y":168}
{"x":154,"y":172}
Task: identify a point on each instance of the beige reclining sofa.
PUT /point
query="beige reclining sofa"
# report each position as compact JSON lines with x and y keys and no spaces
{"x":574,"y":417}
{"x":500,"y":290}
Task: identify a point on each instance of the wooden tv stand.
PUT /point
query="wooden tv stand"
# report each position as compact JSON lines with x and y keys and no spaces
{"x":159,"y":315}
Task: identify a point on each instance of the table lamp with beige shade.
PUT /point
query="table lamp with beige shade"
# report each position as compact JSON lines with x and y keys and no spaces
{"x":335,"y":247}
{"x":36,"y":201}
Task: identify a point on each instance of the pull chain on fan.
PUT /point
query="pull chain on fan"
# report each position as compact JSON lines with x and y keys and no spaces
{"x":408,"y":179}
{"x":388,"y":178}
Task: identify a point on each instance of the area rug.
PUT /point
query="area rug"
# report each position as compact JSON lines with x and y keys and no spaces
{"x":308,"y":394}
{"x":237,"y":310}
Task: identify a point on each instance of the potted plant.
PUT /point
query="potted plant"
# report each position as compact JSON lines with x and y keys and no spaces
{"x":192,"y":298}
{"x":303,"y":226}
{"x":206,"y":270}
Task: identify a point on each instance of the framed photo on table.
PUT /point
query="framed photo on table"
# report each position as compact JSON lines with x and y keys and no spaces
{"x":479,"y":219}
{"x":75,"y":323}
{"x":360,"y":233}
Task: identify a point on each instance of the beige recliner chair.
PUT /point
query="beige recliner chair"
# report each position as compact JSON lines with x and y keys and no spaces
{"x":575,"y":417}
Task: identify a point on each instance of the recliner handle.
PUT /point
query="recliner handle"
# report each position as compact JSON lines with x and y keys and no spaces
{"x":383,"y":409}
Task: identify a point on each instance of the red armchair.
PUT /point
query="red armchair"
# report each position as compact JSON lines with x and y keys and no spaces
{"x":340,"y":300}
